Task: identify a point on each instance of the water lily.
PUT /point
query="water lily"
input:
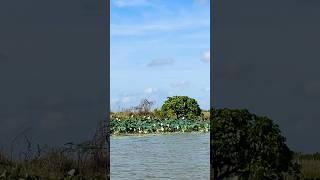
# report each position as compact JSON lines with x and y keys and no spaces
{"x":132,"y":125}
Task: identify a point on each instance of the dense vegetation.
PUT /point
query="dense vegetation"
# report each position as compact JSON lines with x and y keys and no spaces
{"x":180,"y":106}
{"x":177,"y":114}
{"x":248,"y":146}
{"x":145,"y":125}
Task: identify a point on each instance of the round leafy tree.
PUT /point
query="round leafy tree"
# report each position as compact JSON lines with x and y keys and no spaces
{"x":248,"y":146}
{"x":181,"y":106}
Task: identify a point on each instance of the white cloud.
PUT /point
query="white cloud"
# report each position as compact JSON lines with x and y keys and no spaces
{"x":150,"y":90}
{"x":126,"y":99}
{"x":165,"y":25}
{"x":160,"y":62}
{"x":206,"y":56}
{"x":180,"y":84}
{"x":128,"y":3}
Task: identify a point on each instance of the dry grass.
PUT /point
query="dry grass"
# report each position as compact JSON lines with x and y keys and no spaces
{"x":87,"y":160}
{"x":310,"y":169}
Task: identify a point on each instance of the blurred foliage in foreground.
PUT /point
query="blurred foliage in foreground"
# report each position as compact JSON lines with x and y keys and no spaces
{"x":86,"y":160}
{"x":249,"y":146}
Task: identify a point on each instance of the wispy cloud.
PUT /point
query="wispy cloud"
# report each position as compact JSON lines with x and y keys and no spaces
{"x":180,"y":84}
{"x":150,"y":90}
{"x":165,"y":25}
{"x":206,"y":56}
{"x":124,"y":99}
{"x":129,"y":3}
{"x":160,"y":62}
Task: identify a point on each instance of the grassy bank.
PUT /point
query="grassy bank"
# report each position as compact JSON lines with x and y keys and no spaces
{"x":85,"y":160}
{"x":310,"y":165}
{"x":53,"y":165}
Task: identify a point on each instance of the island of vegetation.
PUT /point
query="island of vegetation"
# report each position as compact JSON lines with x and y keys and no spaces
{"x":177,"y":114}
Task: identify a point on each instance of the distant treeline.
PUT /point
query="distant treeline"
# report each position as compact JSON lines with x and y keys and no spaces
{"x":175,"y":107}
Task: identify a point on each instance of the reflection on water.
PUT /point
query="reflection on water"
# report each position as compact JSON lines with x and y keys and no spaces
{"x":170,"y":156}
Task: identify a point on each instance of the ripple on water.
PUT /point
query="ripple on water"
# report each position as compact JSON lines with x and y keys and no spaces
{"x":170,"y":156}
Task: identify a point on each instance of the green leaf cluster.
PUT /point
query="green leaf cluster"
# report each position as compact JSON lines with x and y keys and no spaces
{"x":181,"y":107}
{"x":154,"y":125}
{"x":249,"y":146}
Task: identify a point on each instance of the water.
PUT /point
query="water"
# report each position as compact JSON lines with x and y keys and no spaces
{"x":172,"y":156}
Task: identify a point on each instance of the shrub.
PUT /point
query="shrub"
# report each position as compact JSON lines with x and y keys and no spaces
{"x":248,"y":146}
{"x":181,"y":106}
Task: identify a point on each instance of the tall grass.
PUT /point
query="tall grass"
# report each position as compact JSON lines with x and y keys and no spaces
{"x":87,"y":160}
{"x":310,"y":165}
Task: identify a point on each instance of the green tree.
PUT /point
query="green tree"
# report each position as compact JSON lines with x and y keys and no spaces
{"x":248,"y":146}
{"x":181,"y":106}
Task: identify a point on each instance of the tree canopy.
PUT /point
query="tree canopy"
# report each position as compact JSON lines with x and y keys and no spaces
{"x":248,"y":146}
{"x":181,"y":106}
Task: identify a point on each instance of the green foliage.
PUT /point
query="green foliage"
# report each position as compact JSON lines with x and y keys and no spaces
{"x":249,"y":146}
{"x":144,"y":125}
{"x":181,"y":106}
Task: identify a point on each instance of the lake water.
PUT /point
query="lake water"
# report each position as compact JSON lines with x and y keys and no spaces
{"x":180,"y":156}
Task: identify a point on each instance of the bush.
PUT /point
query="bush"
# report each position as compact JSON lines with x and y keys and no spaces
{"x":249,"y":146}
{"x":181,"y":107}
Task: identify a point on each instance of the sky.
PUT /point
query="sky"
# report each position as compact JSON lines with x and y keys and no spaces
{"x":159,"y":48}
{"x":266,"y":59}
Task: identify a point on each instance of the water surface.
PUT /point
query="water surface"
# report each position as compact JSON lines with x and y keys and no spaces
{"x":175,"y":156}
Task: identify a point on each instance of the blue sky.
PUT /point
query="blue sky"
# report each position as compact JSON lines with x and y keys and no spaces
{"x":159,"y":48}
